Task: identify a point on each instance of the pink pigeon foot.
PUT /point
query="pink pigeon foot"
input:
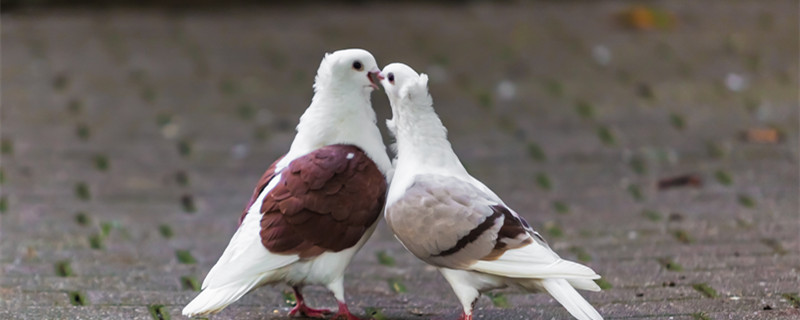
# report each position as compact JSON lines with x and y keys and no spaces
{"x":465,"y":316}
{"x":304,"y":310}
{"x":344,"y":313}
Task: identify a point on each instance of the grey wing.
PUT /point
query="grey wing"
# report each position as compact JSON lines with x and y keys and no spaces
{"x":448,"y":222}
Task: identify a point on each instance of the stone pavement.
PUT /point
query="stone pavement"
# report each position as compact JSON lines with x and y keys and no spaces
{"x":131,"y":139}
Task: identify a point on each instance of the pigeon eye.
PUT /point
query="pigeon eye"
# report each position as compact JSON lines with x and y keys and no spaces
{"x":358,"y":66}
{"x":391,"y":78}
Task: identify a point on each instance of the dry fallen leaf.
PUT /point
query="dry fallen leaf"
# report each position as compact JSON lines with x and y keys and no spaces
{"x":762,"y":135}
{"x":639,"y":17}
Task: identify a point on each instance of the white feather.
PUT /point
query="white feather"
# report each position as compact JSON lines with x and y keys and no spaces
{"x":534,"y":261}
{"x":212,"y":300}
{"x":566,"y":295}
{"x":584,"y":284}
{"x":245,"y":257}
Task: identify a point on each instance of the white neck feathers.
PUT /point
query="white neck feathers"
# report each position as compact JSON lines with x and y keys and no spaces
{"x":334,"y":118}
{"x":421,"y":136}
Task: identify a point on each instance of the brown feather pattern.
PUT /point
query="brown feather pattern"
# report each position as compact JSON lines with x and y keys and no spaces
{"x":324,"y":202}
{"x":509,"y":235}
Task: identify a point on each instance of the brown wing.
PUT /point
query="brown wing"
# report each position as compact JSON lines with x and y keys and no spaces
{"x":513,"y":234}
{"x":325,"y":201}
{"x":262,"y":183}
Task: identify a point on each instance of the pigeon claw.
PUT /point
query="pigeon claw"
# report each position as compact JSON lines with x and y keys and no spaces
{"x":345,"y":316}
{"x":465,"y":316}
{"x":344,"y":313}
{"x":302,"y":310}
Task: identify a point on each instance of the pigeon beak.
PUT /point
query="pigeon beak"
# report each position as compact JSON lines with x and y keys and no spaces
{"x":375,"y":77}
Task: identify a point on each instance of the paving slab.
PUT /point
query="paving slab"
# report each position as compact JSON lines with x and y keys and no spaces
{"x":132,"y":138}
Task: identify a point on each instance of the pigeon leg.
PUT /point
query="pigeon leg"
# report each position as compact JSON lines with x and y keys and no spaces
{"x":304,"y":310}
{"x":468,"y":295}
{"x":337,"y":287}
{"x":344,"y":313}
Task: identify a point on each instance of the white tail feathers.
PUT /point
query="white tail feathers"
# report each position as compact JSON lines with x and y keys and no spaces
{"x":584,"y":284}
{"x":565,"y":294}
{"x":213,"y":300}
{"x":514,"y":267}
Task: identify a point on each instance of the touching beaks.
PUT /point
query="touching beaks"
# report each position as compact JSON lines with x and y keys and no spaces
{"x":375,"y":77}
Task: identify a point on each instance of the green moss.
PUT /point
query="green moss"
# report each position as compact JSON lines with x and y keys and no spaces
{"x":554,"y":88}
{"x":544,"y":181}
{"x":670,"y":265}
{"x":652,"y":215}
{"x":190,"y":283}
{"x":678,"y":121}
{"x":775,"y":245}
{"x":148,"y":94}
{"x":7,"y":146}
{"x":747,"y":201}
{"x":185,"y":257}
{"x":536,"y":152}
{"x":101,"y":162}
{"x":700,"y":316}
{"x":82,"y":191}
{"x":484,"y":100}
{"x":105,"y":228}
{"x":75,"y":107}
{"x":63,"y":268}
{"x":163,"y":119}
{"x":581,"y":254}
{"x":606,"y":136}
{"x":723,"y":177}
{"x":498,"y":300}
{"x":77,"y":298}
{"x":228,"y":87}
{"x":184,"y":148}
{"x":187,"y":202}
{"x":715,"y":150}
{"x":165,"y":231}
{"x":289,"y":298}
{"x":705,"y":289}
{"x":3,"y":204}
{"x":793,"y":298}
{"x":159,"y":312}
{"x":635,"y":192}
{"x":554,"y":230}
{"x":96,"y":241}
{"x":385,"y":259}
{"x":82,"y":218}
{"x":638,"y":165}
{"x":682,"y":236}
{"x":645,"y":91}
{"x":584,"y":109}
{"x":375,"y":313}
{"x":182,"y":178}
{"x":246,"y":111}
{"x":561,"y":207}
{"x":603,"y":284}
{"x":83,"y":132}
{"x":397,"y":286}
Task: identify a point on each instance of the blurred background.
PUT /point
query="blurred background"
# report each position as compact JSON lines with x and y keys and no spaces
{"x":655,"y":141}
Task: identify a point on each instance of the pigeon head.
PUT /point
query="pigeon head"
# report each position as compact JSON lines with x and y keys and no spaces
{"x":402,"y":82}
{"x":348,"y":69}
